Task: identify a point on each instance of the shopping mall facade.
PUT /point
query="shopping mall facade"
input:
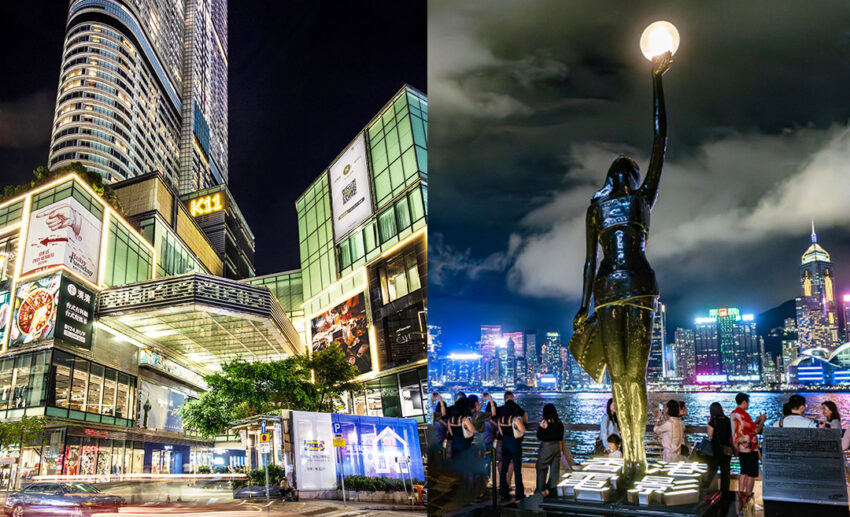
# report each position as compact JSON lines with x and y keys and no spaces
{"x":108,"y":326}
{"x":109,"y":321}
{"x":362,"y":227}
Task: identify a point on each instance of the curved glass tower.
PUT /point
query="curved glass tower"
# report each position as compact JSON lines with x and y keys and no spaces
{"x":143,"y":88}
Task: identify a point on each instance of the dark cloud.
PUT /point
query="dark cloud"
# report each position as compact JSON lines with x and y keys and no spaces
{"x":531,"y":101}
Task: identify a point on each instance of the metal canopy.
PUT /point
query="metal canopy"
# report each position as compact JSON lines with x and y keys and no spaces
{"x":201,"y":318}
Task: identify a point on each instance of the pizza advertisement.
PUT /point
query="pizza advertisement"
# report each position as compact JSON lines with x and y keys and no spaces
{"x":35,"y":304}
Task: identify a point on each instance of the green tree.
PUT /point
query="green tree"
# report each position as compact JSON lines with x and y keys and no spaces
{"x":25,"y":430}
{"x":243,"y":389}
{"x":43,"y":175}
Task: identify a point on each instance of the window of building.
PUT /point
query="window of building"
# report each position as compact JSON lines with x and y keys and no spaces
{"x":91,"y":392}
{"x":95,"y":389}
{"x":397,"y":143}
{"x":63,"y":363}
{"x":400,"y":276}
{"x":127,"y":259}
{"x":79,"y":384}
{"x":387,"y":228}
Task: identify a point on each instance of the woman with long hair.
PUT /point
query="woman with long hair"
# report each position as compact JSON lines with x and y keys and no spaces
{"x":623,"y":286}
{"x":462,"y":430}
{"x":608,"y":426}
{"x":672,"y":432}
{"x":511,"y":430}
{"x":719,"y":430}
{"x":831,"y":415}
{"x":551,"y":434}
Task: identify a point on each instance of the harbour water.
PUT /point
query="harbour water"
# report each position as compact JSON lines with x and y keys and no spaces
{"x":588,"y":408}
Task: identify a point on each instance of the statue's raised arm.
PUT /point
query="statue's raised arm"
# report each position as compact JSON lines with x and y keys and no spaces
{"x":660,"y":64}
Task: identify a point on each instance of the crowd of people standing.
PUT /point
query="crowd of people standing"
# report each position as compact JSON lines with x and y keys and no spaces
{"x":478,"y":435}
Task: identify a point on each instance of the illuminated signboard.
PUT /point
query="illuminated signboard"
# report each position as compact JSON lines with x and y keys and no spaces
{"x":206,"y":204}
{"x":726,"y":312}
{"x":351,"y":199}
{"x":712,"y":378}
{"x":52,"y":306}
{"x":63,"y":233}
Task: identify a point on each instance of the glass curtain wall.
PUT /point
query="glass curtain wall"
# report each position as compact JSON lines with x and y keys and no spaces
{"x":91,"y":392}
{"x":22,"y":384}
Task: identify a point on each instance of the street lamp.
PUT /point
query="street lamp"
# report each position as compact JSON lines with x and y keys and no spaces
{"x":659,"y":37}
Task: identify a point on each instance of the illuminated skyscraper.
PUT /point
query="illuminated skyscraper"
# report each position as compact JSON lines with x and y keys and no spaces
{"x":655,"y":368}
{"x":551,"y":362}
{"x":685,"y":352}
{"x":727,"y":344}
{"x":490,"y":334}
{"x":531,"y":357}
{"x":817,"y":321}
{"x":143,"y":87}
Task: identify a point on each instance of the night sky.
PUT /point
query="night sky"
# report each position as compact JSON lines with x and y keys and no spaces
{"x":305,"y":76}
{"x":532,"y":101}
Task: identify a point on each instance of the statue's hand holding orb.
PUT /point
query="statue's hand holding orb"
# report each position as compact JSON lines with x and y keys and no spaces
{"x":658,"y":43}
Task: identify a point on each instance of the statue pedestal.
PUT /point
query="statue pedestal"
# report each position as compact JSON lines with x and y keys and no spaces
{"x":672,"y":489}
{"x":709,"y":505}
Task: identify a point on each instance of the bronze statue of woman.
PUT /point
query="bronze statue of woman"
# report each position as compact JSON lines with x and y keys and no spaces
{"x":624,"y":289}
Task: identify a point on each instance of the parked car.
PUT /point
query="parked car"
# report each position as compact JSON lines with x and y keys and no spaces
{"x":68,"y":499}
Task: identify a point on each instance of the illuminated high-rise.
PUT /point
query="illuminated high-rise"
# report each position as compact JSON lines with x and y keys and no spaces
{"x":817,"y":320}
{"x":685,"y":352}
{"x":143,"y":88}
{"x":655,"y":368}
{"x":727,"y":344}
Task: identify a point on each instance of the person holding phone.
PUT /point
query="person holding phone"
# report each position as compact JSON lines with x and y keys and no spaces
{"x":672,"y":432}
{"x":745,"y":442}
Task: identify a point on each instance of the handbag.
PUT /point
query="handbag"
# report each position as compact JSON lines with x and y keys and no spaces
{"x":704,"y":447}
{"x":466,"y":432}
{"x":517,"y":433}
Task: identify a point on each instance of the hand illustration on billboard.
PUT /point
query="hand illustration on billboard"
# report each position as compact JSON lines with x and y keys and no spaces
{"x":57,"y":219}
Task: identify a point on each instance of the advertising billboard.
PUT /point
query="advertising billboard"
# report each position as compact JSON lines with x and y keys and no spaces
{"x":75,"y":312}
{"x":63,"y":233}
{"x":347,"y":325}
{"x":312,"y":443}
{"x":158,"y":404}
{"x":54,"y":306}
{"x":351,"y":199}
{"x":35,"y":306}
{"x":380,"y":447}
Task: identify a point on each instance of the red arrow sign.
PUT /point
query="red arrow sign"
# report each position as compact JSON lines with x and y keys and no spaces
{"x":45,"y":241}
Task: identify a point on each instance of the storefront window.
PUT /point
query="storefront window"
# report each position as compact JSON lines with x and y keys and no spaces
{"x":52,"y":454}
{"x":122,"y":396}
{"x":88,"y":457}
{"x":412,"y":396}
{"x":104,"y":457}
{"x":20,"y":381}
{"x":390,"y":403}
{"x":6,"y":391}
{"x":109,"y":385}
{"x":63,"y":364}
{"x":117,"y":457}
{"x":138,"y":458}
{"x":373,"y":402}
{"x":71,"y":464}
{"x":30,"y":463}
{"x":79,"y":384}
{"x":38,"y":379}
{"x":93,"y":401}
